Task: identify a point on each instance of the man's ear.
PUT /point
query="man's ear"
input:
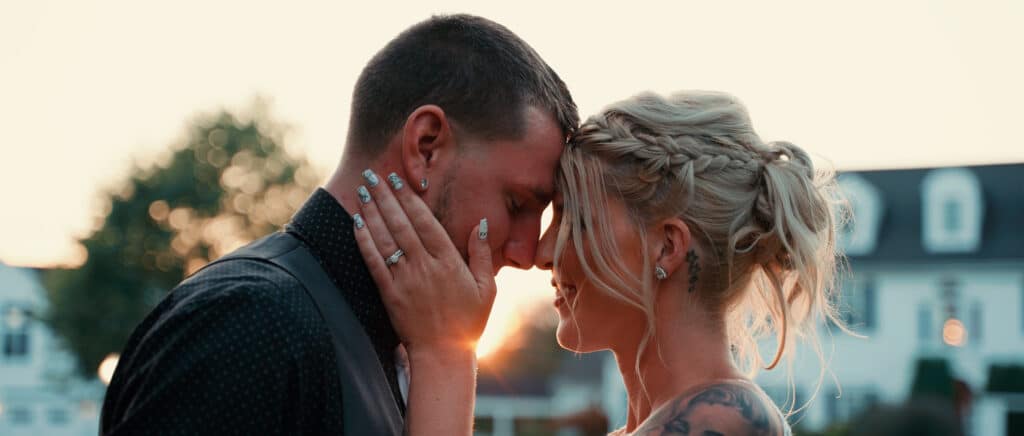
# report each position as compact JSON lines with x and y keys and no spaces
{"x":673,"y":241}
{"x":426,"y":136}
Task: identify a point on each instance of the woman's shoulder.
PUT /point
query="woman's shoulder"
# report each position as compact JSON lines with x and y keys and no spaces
{"x":725,"y":407}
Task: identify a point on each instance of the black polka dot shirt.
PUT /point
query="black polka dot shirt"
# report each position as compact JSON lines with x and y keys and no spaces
{"x":239,"y":348}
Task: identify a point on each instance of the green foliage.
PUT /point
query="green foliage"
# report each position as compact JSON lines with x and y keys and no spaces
{"x":932,"y":378}
{"x":230,"y":181}
{"x":1007,"y":378}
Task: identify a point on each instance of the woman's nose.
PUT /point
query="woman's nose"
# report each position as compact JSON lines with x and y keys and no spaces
{"x":545,"y":250}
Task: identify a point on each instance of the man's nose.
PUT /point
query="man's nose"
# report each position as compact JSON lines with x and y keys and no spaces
{"x":519,"y":252}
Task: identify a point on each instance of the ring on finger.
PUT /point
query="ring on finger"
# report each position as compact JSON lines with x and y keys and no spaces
{"x":393,"y":259}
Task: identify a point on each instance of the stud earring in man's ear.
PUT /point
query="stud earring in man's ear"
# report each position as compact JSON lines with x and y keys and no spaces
{"x":660,"y":273}
{"x":423,"y":183}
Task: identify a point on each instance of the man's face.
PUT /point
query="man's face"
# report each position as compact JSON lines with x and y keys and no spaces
{"x":508,"y":181}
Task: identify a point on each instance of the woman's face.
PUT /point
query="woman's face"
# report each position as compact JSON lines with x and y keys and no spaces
{"x":589,"y":319}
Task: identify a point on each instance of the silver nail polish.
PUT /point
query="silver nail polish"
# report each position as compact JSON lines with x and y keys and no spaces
{"x":396,"y":182}
{"x":359,"y":221}
{"x":482,"y":233}
{"x":364,"y":194}
{"x":371,"y":178}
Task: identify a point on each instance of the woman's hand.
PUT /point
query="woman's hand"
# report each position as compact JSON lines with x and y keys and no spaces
{"x":438,"y":305}
{"x":436,"y":302}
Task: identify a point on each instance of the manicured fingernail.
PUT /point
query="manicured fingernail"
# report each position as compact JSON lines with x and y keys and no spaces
{"x":364,"y":194}
{"x":396,"y":182}
{"x":482,"y":233}
{"x":371,"y":178}
{"x":359,"y":221}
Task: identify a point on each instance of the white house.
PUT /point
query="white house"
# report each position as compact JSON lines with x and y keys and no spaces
{"x":38,"y":395}
{"x":937,"y":271}
{"x":936,"y":260}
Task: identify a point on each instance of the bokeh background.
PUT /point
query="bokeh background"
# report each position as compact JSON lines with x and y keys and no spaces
{"x":142,"y":140}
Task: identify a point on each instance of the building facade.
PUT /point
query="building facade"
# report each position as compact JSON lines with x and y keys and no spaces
{"x":936,"y":273}
{"x":39,"y":396}
{"x":936,"y":259}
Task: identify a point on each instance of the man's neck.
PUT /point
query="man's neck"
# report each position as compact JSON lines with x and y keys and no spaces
{"x":349,"y":175}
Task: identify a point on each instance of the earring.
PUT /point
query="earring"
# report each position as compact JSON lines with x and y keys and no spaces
{"x":423,"y":183}
{"x":660,"y":273}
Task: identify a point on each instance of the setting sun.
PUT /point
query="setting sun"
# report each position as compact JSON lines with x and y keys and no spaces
{"x":501,"y":327}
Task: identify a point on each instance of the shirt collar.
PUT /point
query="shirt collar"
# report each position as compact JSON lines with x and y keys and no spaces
{"x":327,"y":229}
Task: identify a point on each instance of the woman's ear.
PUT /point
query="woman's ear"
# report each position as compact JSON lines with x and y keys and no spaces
{"x":426,"y":137}
{"x":673,"y":243}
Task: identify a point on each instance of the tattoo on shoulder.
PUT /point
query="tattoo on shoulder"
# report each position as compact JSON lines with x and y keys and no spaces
{"x":723,"y":409}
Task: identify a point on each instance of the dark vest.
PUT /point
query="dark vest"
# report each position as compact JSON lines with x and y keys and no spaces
{"x":369,"y":405}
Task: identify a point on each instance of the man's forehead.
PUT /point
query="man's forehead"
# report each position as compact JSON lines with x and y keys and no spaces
{"x":538,"y":185}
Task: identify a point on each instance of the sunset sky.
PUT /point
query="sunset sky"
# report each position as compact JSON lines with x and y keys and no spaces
{"x":89,"y":88}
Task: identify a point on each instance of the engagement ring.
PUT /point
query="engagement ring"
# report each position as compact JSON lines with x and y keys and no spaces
{"x":393,"y":259}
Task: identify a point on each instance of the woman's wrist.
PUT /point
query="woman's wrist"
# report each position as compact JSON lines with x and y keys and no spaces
{"x":445,"y":356}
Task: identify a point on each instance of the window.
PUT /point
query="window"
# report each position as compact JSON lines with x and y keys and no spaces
{"x":57,"y":416}
{"x":952,"y":211}
{"x":924,"y":323}
{"x":20,"y":416}
{"x":858,"y":301}
{"x":951,"y":215}
{"x":859,"y":236}
{"x":868,"y":292}
{"x":15,"y":332}
{"x":974,"y":330}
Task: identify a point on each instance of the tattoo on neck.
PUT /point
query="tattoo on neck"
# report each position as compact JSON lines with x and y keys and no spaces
{"x":693,"y":260}
{"x":722,"y":409}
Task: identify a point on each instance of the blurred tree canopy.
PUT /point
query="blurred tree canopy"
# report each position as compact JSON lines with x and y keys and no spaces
{"x":229,"y":182}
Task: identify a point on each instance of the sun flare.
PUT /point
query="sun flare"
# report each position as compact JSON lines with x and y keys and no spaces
{"x":496,"y":333}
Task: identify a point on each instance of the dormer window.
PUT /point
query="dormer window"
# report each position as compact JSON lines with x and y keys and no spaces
{"x":860,"y":236}
{"x":14,"y":341}
{"x":951,"y":215}
{"x":952,"y":211}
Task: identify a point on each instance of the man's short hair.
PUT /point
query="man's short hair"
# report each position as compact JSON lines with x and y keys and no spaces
{"x":481,"y":74}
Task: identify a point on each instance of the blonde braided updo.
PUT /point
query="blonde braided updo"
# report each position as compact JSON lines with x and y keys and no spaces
{"x":761,"y":216}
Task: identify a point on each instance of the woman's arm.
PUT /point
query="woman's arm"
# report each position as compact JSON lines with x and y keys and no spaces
{"x":438,"y":304}
{"x":442,"y":392}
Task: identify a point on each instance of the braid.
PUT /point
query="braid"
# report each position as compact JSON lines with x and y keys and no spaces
{"x":664,"y":157}
{"x":761,"y":217}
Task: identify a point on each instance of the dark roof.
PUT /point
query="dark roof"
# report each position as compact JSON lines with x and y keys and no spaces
{"x":899,"y":233}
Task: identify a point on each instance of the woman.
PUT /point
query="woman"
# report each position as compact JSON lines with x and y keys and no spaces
{"x":679,"y":240}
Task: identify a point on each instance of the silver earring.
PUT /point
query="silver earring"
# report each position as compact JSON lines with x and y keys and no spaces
{"x":660,"y":273}
{"x":423,"y":183}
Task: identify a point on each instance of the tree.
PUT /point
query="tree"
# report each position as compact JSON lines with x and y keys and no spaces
{"x":229,"y":182}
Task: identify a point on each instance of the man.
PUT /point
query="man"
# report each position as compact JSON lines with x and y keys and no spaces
{"x":259,"y":342}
